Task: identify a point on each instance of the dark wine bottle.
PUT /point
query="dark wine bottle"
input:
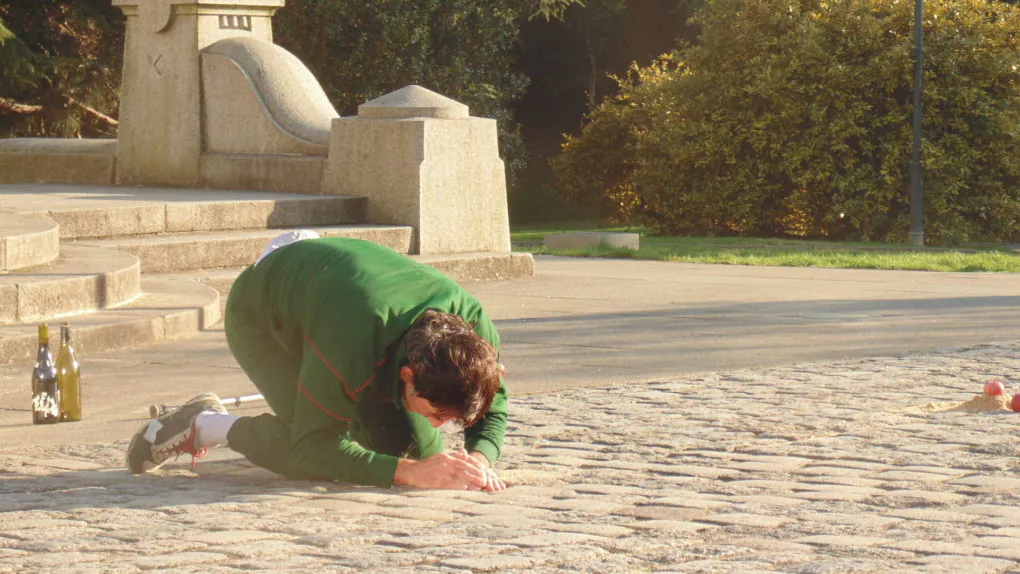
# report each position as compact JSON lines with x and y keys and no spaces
{"x":45,"y":390}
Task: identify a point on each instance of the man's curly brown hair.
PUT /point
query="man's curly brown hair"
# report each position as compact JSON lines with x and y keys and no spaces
{"x":454,"y":368}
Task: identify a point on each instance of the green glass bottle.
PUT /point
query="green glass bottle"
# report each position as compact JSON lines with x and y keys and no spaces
{"x":45,"y":389}
{"x":68,"y":377}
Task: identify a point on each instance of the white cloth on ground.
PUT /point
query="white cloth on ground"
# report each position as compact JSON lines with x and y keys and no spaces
{"x":286,"y":239}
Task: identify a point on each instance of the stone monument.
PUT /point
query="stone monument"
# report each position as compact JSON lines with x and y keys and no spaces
{"x":208,"y":101}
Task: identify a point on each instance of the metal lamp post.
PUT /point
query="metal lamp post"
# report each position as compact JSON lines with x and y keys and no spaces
{"x":916,"y":171}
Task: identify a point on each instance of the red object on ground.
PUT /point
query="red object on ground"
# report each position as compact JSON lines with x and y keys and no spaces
{"x":1015,"y":403}
{"x":994,"y":388}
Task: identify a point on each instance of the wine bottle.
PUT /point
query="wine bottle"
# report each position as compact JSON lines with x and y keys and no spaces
{"x":45,"y":390}
{"x":68,"y":377}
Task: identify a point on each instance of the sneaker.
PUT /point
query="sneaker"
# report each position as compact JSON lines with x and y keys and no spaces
{"x":170,"y":435}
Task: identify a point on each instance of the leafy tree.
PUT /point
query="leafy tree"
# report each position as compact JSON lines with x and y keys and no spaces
{"x":62,"y":65}
{"x":803,"y":126}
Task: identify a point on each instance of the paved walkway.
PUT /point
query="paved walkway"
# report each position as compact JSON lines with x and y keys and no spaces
{"x":811,"y":468}
{"x":723,"y":458}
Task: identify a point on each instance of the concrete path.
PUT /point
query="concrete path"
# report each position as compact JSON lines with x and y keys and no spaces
{"x":583,"y":322}
{"x":758,"y":441}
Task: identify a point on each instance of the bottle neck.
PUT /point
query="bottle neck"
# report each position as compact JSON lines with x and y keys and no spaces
{"x":44,"y":352}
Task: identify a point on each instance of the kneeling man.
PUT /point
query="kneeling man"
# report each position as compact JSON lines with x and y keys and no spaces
{"x":362,"y":354}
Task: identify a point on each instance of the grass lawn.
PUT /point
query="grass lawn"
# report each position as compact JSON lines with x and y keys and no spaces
{"x":783,"y":252}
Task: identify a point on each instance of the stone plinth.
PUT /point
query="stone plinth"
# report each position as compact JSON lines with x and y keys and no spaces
{"x":160,"y":132}
{"x":586,"y":239}
{"x":423,"y":161}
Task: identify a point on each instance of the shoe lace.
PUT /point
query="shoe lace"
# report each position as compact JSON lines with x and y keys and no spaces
{"x":197,"y":455}
{"x":186,"y":446}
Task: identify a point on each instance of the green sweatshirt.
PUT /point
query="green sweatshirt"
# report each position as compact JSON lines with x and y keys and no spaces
{"x":342,"y":306}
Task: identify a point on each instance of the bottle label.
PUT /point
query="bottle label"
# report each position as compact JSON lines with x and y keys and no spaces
{"x":46,"y":404}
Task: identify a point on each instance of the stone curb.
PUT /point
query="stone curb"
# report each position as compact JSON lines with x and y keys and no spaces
{"x":586,"y":239}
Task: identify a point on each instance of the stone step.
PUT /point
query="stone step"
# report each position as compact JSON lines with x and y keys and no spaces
{"x":83,"y":279}
{"x":462,"y":267}
{"x":482,"y":265}
{"x":176,"y":252}
{"x":27,"y":241}
{"x":101,"y":212}
{"x":169,"y":308}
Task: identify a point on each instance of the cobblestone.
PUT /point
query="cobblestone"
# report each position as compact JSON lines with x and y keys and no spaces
{"x":810,"y":468}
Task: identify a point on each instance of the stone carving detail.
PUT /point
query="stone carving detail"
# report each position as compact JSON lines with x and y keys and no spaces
{"x":235,"y":23}
{"x":156,"y":65}
{"x":158,"y":14}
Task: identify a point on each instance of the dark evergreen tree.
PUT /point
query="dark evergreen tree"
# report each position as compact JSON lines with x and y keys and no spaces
{"x":61,"y":63}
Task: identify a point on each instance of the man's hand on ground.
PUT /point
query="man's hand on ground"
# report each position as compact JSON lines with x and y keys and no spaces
{"x":456,"y":470}
{"x":492,"y":482}
{"x":445,"y":470}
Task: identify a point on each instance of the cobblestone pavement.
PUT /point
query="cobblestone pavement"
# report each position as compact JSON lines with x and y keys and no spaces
{"x":811,"y":468}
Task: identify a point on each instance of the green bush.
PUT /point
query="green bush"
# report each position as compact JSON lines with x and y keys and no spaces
{"x":794,"y":118}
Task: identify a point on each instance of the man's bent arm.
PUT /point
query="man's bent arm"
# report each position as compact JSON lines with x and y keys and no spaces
{"x":328,"y":456}
{"x":486,"y":436}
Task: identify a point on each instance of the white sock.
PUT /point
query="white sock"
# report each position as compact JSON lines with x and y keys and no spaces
{"x":212,"y":427}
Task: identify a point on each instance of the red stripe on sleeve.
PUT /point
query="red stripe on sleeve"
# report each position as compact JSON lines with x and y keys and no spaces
{"x":318,"y":404}
{"x":368,"y":382}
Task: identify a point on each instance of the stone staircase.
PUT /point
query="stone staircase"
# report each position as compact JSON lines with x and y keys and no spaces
{"x":138,"y":266}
